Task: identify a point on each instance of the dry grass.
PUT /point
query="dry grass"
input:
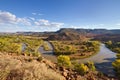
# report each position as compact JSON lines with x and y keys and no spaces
{"x":18,"y":68}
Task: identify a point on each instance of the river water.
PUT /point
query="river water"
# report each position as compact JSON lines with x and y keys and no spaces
{"x":48,"y":54}
{"x":103,"y":60}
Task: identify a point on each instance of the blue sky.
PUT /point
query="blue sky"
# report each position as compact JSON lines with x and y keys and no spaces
{"x":51,"y":15}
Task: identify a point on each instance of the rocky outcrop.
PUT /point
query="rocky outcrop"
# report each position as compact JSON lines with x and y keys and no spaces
{"x":13,"y":67}
{"x":21,"y":67}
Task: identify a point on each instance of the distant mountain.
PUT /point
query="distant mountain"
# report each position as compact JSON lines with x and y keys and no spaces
{"x":81,"y":34}
{"x":75,"y":34}
{"x":72,"y":30}
{"x":68,"y":35}
{"x":93,"y":31}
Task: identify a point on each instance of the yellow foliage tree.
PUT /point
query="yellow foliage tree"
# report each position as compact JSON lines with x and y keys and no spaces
{"x":81,"y":68}
{"x":64,"y":61}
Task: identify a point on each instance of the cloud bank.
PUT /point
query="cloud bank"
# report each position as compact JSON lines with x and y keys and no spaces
{"x":43,"y":22}
{"x":10,"y":20}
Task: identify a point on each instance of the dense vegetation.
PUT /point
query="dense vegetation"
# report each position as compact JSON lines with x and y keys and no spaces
{"x":21,"y":45}
{"x":75,"y":49}
{"x":114,"y":46}
{"x":84,"y":68}
{"x":63,"y":48}
{"x":116,"y":65}
{"x":64,"y":61}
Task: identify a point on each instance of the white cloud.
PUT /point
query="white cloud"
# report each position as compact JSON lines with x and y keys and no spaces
{"x":43,"y":22}
{"x":7,"y":17}
{"x":24,"y":21}
{"x":9,"y":21}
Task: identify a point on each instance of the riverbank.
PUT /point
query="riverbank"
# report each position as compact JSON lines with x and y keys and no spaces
{"x":103,"y":60}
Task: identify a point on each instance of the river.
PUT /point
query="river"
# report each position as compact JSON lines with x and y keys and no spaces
{"x":48,"y":54}
{"x":103,"y":59}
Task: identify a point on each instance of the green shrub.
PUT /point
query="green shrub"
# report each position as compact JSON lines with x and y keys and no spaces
{"x":109,"y":43}
{"x":118,"y":55}
{"x":64,"y":61}
{"x":91,"y":66}
{"x":81,"y":68}
{"x":116,"y":65}
{"x":114,"y":46}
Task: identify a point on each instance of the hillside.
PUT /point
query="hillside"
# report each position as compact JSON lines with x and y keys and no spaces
{"x":26,"y":68}
{"x":93,"y":31}
{"x":72,"y":30}
{"x":107,"y":37}
{"x":81,"y":34}
{"x":66,"y":36}
{"x":13,"y":67}
{"x":74,"y":34}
